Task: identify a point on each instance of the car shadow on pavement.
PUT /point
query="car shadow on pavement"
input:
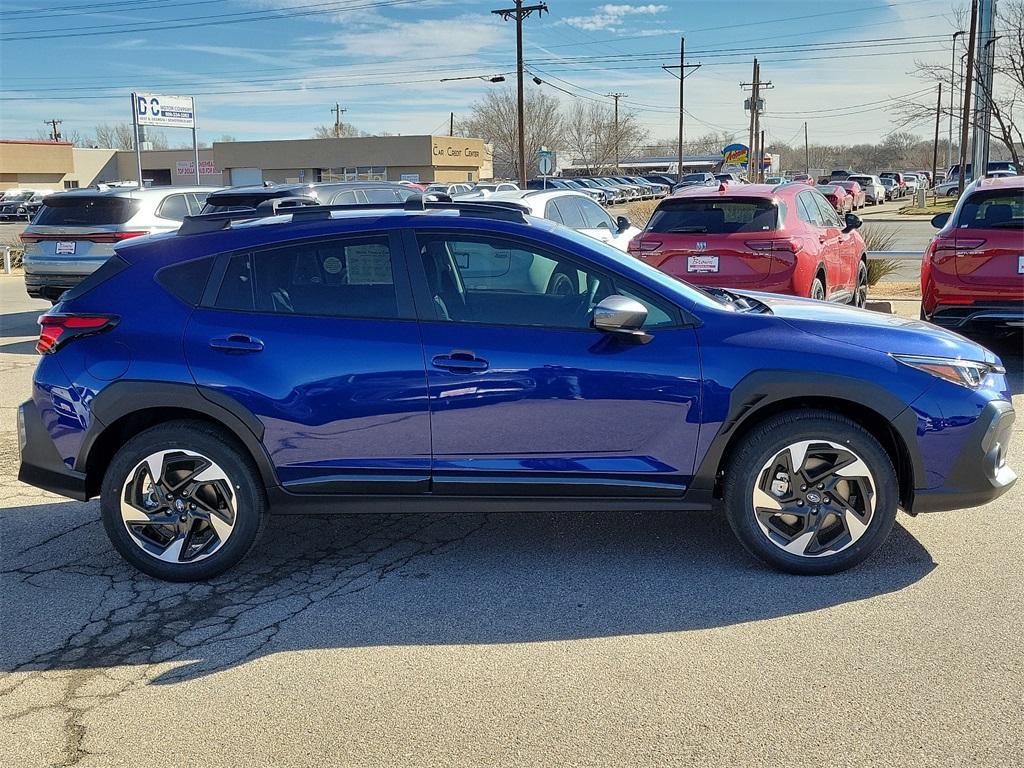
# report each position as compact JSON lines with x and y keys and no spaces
{"x":18,"y":326}
{"x":399,"y":579}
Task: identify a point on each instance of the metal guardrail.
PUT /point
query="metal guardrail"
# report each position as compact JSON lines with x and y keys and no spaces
{"x":899,"y":255}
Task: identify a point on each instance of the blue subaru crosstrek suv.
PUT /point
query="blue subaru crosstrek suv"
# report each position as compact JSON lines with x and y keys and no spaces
{"x":467,"y":357}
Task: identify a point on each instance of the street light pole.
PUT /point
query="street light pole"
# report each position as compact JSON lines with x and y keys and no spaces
{"x":952,"y":100}
{"x":965,"y":121}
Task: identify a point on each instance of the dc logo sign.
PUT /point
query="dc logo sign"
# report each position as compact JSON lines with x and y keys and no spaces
{"x":147,"y":106}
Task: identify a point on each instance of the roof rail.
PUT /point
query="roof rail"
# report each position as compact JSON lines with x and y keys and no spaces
{"x":502,"y":210}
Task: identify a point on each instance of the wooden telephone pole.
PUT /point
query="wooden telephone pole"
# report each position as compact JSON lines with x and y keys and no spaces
{"x":338,"y":112}
{"x":519,"y":13}
{"x":54,"y":132}
{"x":617,"y":96}
{"x":755,"y":151}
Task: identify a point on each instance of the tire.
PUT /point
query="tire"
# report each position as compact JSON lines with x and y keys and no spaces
{"x":817,"y":289}
{"x":176,"y":536}
{"x":860,"y":291}
{"x":818,"y":536}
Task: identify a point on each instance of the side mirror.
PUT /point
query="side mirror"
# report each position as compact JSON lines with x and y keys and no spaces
{"x":939,"y":219}
{"x":852,"y":222}
{"x":622,"y":222}
{"x":622,"y":316}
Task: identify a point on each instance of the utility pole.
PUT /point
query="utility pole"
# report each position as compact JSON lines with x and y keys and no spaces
{"x":617,"y":96}
{"x":984,"y":47}
{"x":451,"y":124}
{"x":807,"y":152}
{"x":682,"y":77}
{"x":965,"y":121}
{"x":54,"y":133}
{"x":754,"y":152}
{"x":682,"y":66}
{"x":952,"y":100}
{"x":338,"y":111}
{"x":519,"y":13}
{"x":935,"y":147}
{"x":760,"y":157}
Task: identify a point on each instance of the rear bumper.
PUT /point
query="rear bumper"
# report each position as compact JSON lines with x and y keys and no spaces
{"x":41,"y":465}
{"x":50,"y":285}
{"x":993,"y":313}
{"x":980,"y":473}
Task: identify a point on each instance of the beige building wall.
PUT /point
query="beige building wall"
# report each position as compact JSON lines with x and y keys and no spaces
{"x":171,"y":166}
{"x":92,"y":166}
{"x":35,"y":164}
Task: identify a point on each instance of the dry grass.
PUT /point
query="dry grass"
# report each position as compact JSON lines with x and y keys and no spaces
{"x":17,"y":249}
{"x":879,"y":240}
{"x":639,"y":213}
{"x":937,"y":205}
{"x":898,"y":290}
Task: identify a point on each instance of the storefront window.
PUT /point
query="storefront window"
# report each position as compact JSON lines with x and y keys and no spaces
{"x":360,"y":173}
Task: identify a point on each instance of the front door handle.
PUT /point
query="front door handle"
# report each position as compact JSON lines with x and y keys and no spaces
{"x":460,"y":360}
{"x":236,"y":342}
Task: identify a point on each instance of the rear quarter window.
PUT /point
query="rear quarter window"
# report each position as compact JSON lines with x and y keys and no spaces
{"x":83,"y":211}
{"x":186,"y":281}
{"x":721,"y":216}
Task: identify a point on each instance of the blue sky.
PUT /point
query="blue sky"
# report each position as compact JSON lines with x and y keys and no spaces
{"x":383,"y":60}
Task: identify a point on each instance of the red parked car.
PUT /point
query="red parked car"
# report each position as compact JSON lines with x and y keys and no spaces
{"x":782,"y":239}
{"x":855,"y":191}
{"x":805,"y":178}
{"x":839,"y":198}
{"x":973,"y":270}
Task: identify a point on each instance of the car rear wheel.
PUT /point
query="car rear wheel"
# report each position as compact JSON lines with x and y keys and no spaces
{"x":860,"y":295}
{"x":811,"y":493}
{"x":182,"y":502}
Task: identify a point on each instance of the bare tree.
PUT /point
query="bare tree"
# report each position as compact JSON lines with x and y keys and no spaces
{"x":1005,"y":100}
{"x":493,"y":119}
{"x":122,"y":136}
{"x":592,"y":136}
{"x":344,"y":130}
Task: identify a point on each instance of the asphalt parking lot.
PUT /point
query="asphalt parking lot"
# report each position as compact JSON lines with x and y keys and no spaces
{"x":503,"y":639}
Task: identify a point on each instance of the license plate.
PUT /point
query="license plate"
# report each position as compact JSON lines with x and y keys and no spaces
{"x":1020,"y":265}
{"x":701,"y":263}
{"x":65,"y":247}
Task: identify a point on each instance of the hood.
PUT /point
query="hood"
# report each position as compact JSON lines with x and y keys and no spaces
{"x":872,"y":330}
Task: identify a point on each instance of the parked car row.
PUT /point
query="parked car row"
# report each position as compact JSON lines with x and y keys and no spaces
{"x":21,"y":204}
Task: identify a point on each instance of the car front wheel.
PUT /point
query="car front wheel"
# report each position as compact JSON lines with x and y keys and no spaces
{"x":811,"y":493}
{"x":182,"y":502}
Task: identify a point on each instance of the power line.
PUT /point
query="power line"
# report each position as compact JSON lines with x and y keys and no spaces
{"x":220,"y":19}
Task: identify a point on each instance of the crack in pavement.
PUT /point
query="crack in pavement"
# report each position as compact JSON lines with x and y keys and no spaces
{"x":143,"y":631}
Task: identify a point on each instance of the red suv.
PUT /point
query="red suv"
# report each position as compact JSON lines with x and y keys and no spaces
{"x":973,"y":270}
{"x":782,"y":239}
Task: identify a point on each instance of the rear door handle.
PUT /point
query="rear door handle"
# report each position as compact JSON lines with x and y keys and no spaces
{"x":236,"y":342}
{"x":460,"y":360}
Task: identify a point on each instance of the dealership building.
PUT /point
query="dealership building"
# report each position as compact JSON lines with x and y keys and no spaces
{"x":58,"y":165}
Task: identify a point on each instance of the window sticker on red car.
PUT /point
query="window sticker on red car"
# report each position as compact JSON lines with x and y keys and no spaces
{"x":701,"y":263}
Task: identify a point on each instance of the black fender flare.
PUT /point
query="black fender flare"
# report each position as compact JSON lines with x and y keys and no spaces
{"x":123,"y":398}
{"x":763,"y":388}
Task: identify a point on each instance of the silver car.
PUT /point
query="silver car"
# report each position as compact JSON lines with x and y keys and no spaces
{"x":75,"y":232}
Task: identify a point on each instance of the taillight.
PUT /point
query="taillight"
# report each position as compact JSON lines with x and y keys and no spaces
{"x":639,"y":245}
{"x":98,"y":237}
{"x":787,"y":244}
{"x":57,"y":330}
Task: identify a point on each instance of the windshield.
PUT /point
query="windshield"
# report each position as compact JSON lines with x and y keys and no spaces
{"x":694,"y":177}
{"x":720,"y":215}
{"x":995,"y":209}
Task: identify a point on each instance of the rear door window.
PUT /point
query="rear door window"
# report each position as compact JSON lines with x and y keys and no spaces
{"x":720,"y":216}
{"x":594,"y":215}
{"x":86,"y":211}
{"x":173,"y":207}
{"x":996,"y":209}
{"x":570,"y":212}
{"x":829,"y":216}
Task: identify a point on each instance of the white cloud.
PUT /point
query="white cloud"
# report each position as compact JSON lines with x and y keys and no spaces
{"x":610,"y":16}
{"x":463,"y":35}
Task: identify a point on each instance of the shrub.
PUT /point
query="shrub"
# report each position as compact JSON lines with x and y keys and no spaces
{"x":17,"y":250}
{"x":876,"y":239}
{"x":639,"y":213}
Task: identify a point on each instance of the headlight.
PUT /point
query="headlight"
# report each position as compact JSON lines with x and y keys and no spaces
{"x":967,"y":373}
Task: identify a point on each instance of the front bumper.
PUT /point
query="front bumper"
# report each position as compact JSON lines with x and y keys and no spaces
{"x":41,"y":465}
{"x":980,"y":473}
